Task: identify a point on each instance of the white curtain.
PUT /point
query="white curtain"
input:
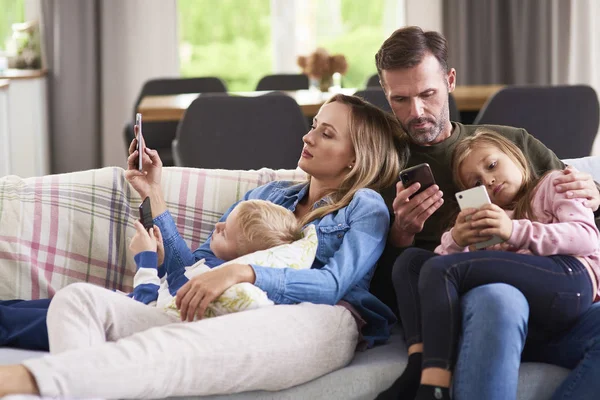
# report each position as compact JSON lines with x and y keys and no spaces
{"x":584,"y":48}
{"x":138,"y":41}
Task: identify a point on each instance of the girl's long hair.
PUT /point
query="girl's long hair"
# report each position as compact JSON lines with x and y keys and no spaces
{"x":486,"y":137}
{"x":381,"y":150}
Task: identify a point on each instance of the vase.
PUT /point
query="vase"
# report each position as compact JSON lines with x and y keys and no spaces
{"x":325,"y":83}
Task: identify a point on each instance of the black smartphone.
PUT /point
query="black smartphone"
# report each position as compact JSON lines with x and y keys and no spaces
{"x":140,"y":139}
{"x":419,"y":173}
{"x":146,"y":214}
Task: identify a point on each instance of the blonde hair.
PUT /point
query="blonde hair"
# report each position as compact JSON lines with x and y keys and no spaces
{"x":486,"y":137}
{"x":381,"y":150}
{"x":264,"y":225}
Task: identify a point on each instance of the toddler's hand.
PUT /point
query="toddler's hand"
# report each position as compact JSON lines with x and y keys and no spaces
{"x":143,"y":240}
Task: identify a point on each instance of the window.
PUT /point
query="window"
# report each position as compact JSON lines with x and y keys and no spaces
{"x":11,"y":11}
{"x":356,"y":30}
{"x":240,"y":41}
{"x":229,"y":39}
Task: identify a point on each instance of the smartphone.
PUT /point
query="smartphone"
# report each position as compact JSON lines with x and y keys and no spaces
{"x":140,"y":139}
{"x":475,"y":198}
{"x":146,"y":214}
{"x":419,"y":173}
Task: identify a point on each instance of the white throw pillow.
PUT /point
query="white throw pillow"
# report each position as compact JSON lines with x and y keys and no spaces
{"x":245,"y":296}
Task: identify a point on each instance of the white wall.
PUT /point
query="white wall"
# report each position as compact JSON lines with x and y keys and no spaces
{"x":139,"y":41}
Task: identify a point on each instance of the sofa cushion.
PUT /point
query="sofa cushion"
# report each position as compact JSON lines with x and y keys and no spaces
{"x":369,"y":373}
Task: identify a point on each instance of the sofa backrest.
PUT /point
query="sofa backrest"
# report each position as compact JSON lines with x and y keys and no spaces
{"x":60,"y":229}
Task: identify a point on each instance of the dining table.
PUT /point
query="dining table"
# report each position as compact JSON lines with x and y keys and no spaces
{"x":469,"y":98}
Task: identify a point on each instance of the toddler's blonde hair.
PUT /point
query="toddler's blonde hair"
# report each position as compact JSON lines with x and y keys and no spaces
{"x":264,"y":225}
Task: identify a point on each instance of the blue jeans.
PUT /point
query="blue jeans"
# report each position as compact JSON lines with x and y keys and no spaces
{"x":23,"y":324}
{"x":494,"y":319}
{"x":557,"y":288}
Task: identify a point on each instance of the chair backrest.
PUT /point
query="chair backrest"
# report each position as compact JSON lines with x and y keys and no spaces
{"x":283,"y":82}
{"x":231,"y":132}
{"x":564,"y":118}
{"x":373,"y":81}
{"x":159,"y":135}
{"x":166,"y":86}
{"x":376,"y":96}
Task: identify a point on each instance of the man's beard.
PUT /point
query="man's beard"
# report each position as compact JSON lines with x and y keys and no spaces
{"x":427,"y":136}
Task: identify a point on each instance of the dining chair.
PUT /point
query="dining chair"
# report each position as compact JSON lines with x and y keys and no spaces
{"x":283,"y":82}
{"x":373,"y":82}
{"x":564,"y":118}
{"x":376,"y":96}
{"x":231,"y":132}
{"x":159,"y":135}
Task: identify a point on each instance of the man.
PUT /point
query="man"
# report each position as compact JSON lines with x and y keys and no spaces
{"x":416,"y":79}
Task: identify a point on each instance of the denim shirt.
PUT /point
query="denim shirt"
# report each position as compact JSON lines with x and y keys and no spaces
{"x":351,"y":241}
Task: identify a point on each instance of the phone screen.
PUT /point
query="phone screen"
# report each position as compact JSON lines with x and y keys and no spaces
{"x":146,"y":214}
{"x":140,"y":139}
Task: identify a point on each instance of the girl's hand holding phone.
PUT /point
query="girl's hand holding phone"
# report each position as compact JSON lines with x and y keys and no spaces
{"x":463,"y":233}
{"x":492,"y":220}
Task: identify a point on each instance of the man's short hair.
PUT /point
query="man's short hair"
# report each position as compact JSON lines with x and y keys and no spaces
{"x":407,"y":47}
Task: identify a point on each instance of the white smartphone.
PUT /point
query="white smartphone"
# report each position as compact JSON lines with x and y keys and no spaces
{"x":140,"y":139}
{"x":475,"y":198}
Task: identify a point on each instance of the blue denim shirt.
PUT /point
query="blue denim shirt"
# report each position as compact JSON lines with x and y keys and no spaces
{"x":351,"y":241}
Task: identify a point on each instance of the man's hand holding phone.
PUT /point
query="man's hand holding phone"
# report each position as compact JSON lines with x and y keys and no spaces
{"x":412,"y":207}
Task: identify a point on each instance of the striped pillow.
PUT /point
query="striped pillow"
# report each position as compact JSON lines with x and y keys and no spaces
{"x":60,"y":229}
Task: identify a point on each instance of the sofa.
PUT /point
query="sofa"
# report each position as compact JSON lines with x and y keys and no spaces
{"x":60,"y":229}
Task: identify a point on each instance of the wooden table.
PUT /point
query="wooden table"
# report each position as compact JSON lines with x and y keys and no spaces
{"x":472,"y":98}
{"x":171,"y":108}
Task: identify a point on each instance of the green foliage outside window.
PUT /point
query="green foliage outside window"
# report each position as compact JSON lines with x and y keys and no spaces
{"x":11,"y":11}
{"x":231,"y":39}
{"x":362,"y":26}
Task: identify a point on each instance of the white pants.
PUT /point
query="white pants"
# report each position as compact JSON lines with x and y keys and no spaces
{"x":107,"y":345}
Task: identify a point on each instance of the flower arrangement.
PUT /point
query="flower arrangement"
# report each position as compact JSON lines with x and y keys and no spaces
{"x":321,"y":66}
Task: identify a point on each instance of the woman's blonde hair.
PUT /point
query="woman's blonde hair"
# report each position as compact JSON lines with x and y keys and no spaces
{"x":486,"y":137}
{"x":381,"y":150}
{"x":264,"y":225}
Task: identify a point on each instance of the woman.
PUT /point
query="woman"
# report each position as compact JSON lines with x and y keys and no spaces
{"x":351,"y":150}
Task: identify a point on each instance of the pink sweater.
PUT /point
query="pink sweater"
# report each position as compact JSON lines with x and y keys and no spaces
{"x":564,"y":226}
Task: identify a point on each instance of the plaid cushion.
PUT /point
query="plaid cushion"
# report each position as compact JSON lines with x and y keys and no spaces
{"x":60,"y":229}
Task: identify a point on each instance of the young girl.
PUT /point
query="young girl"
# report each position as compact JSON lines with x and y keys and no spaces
{"x":551,"y":254}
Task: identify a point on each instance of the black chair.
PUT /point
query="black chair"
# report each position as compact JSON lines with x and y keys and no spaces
{"x":159,"y":135}
{"x":373,"y":81}
{"x":564,"y":118}
{"x":283,"y":82}
{"x":231,"y":132}
{"x":376,"y":96}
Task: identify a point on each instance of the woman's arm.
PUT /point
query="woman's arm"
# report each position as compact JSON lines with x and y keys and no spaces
{"x":361,"y":246}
